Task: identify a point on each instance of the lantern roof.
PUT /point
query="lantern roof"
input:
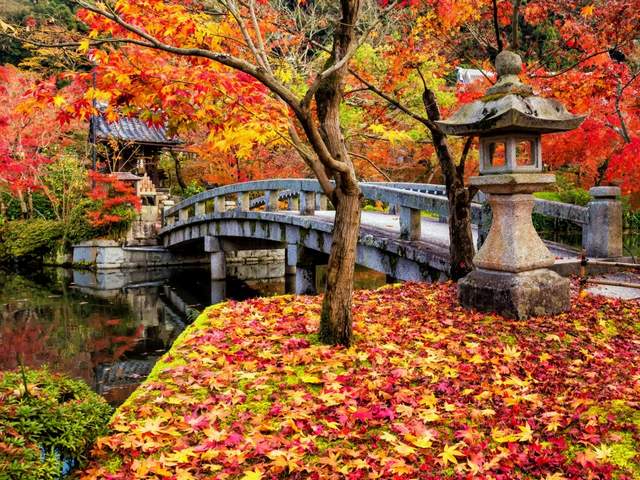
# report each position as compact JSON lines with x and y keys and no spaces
{"x":510,"y":106}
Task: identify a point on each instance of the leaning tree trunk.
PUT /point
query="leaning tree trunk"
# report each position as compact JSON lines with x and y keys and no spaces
{"x":335,"y":319}
{"x":178,"y":168}
{"x":461,"y":247}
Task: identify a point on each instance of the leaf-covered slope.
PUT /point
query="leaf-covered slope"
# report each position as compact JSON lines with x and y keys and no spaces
{"x":428,"y":391}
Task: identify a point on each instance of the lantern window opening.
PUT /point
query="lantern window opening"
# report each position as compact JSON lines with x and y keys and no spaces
{"x":510,"y":153}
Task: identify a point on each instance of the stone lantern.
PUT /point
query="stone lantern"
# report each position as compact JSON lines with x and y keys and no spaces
{"x":512,"y":275}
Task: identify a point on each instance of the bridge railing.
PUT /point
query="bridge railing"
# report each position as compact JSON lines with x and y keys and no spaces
{"x":305,"y":196}
{"x":409,"y":200}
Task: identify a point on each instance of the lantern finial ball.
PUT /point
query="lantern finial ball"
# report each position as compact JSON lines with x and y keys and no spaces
{"x":508,"y":63}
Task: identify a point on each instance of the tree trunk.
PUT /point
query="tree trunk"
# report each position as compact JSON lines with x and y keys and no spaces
{"x":23,"y":205}
{"x":461,"y":248}
{"x":30,"y":202}
{"x":178,"y":168}
{"x":335,"y":319}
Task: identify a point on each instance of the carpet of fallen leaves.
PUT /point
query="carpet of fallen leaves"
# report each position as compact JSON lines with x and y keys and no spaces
{"x":428,"y":391}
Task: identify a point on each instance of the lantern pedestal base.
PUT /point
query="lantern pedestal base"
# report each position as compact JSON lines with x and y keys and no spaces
{"x":515,"y":295}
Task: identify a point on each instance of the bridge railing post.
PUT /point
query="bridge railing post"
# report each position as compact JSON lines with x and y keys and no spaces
{"x":271,"y":200}
{"x":242,"y":202}
{"x":321,"y":201}
{"x":183,"y":215}
{"x":307,"y":203}
{"x":602,"y":236}
{"x":201,"y":209}
{"x":410,"y":224}
{"x":219,"y":204}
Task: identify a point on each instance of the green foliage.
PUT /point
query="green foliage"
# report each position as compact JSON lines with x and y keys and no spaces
{"x":193,"y":188}
{"x":77,"y":227}
{"x":42,"y":207}
{"x":66,"y":179}
{"x":23,"y":238}
{"x":570,"y":193}
{"x":630,"y":217}
{"x":49,"y":12}
{"x":551,"y":196}
{"x":47,"y":420}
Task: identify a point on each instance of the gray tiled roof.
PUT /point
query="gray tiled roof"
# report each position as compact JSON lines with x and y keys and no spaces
{"x":131,"y":129}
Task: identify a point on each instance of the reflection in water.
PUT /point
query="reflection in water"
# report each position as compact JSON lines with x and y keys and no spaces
{"x":109,"y":328}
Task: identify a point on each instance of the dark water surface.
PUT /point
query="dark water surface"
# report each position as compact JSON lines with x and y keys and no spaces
{"x":110,"y":328}
{"x":573,"y":237}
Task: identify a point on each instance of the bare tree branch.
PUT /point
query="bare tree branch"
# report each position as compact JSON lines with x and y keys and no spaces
{"x":425,"y":121}
{"x":496,"y":26}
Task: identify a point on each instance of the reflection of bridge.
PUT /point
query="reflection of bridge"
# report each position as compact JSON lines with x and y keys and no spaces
{"x":406,"y":245}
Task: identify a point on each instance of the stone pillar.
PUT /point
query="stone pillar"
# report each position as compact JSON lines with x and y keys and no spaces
{"x":290,"y":259}
{"x":213,"y":247}
{"x":307,"y":203}
{"x":183,"y":215}
{"x":603,"y":234}
{"x":511,"y":275}
{"x":218,"y":266}
{"x":242,"y":203}
{"x":200,"y":209}
{"x":271,"y":200}
{"x":410,"y":224}
{"x":218,"y":291}
{"x":305,"y":269}
{"x":219,"y":204}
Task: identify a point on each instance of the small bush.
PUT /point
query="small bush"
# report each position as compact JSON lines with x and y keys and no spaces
{"x":116,"y":205}
{"x":577,"y":196}
{"x":21,"y":238}
{"x":78,"y":227}
{"x":47,"y":425}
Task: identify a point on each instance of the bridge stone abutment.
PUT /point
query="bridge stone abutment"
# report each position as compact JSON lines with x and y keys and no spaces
{"x":301,"y":264}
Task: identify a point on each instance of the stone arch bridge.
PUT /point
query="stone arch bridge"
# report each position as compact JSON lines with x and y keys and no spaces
{"x":403,"y":230}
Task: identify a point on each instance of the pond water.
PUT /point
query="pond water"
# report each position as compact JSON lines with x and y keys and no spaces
{"x":572,"y":236}
{"x":109,"y":329}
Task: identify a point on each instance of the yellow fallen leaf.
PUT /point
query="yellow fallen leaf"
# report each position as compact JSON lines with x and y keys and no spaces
{"x":449,"y":454}
{"x":404,"y":449}
{"x":310,"y":379}
{"x":252,"y":475}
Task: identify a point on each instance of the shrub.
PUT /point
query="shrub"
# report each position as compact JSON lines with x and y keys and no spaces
{"x":21,"y":238}
{"x":48,"y":421}
{"x":78,"y":227}
{"x":116,"y":205}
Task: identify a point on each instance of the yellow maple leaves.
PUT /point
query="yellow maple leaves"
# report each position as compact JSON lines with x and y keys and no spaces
{"x":524,"y":434}
{"x":450,"y":453}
